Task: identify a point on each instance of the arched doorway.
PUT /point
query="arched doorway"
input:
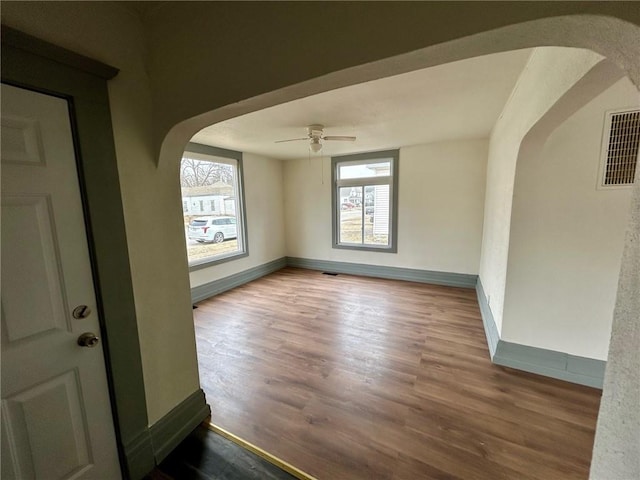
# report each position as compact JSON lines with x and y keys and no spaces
{"x":571,"y":31}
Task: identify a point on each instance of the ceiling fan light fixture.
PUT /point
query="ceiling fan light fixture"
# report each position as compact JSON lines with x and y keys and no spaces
{"x":315,"y":145}
{"x":315,"y":135}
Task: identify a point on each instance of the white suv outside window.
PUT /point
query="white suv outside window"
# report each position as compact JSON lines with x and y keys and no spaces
{"x":212,"y":229}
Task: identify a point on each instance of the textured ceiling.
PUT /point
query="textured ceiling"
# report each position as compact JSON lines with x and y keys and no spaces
{"x":453,"y":101}
{"x":141,"y":8}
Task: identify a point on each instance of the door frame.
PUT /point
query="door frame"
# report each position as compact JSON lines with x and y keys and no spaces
{"x":37,"y":65}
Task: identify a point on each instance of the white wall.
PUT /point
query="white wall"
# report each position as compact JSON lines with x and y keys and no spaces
{"x":264,"y":199}
{"x":549,"y":73}
{"x":567,"y":238}
{"x":441,"y":192}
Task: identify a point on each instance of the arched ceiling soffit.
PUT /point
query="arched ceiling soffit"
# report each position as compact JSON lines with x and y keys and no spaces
{"x":615,"y":39}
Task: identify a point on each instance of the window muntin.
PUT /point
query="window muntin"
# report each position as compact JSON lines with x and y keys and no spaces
{"x":365,"y":201}
{"x":212,"y":199}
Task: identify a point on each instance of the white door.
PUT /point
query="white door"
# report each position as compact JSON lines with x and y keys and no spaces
{"x":56,"y":414}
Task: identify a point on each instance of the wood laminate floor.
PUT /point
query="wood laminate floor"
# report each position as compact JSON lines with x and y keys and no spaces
{"x":359,"y":378}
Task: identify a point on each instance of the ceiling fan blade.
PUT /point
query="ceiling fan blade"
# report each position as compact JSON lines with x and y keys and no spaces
{"x":291,"y":140}
{"x":339,"y":137}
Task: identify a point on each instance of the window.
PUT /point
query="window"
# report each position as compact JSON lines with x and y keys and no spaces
{"x":620,"y":149}
{"x":213,"y":204}
{"x":365,"y":201}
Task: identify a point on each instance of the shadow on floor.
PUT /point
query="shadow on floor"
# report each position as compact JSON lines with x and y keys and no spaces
{"x":205,"y":455}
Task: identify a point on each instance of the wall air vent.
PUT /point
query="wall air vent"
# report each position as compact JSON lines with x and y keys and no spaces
{"x":621,"y":141}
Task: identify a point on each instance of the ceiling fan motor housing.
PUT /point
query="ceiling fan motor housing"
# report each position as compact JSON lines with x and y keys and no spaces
{"x":315,"y":131}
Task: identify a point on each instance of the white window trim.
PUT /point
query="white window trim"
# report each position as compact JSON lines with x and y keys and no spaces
{"x":205,"y":152}
{"x":604,"y":146}
{"x":360,"y":159}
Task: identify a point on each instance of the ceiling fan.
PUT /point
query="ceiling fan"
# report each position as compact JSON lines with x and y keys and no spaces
{"x":315,"y":135}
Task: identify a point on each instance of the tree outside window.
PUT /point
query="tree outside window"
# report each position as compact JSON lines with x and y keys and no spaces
{"x":212,"y":200}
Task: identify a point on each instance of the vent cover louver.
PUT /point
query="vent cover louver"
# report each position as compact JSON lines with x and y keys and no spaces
{"x":622,"y":150}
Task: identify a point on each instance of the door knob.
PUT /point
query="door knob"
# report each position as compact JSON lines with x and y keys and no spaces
{"x":88,"y":340}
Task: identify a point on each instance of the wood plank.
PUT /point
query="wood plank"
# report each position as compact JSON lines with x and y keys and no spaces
{"x":357,"y":378}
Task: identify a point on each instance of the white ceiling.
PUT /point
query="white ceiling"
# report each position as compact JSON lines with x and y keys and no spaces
{"x":453,"y":101}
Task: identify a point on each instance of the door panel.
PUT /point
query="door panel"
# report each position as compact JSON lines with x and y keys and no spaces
{"x":39,"y":436}
{"x":29,"y":255}
{"x":56,"y":414}
{"x":21,"y":141}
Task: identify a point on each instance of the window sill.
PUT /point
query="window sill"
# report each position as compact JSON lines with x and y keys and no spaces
{"x":210,"y":262}
{"x":366,"y":248}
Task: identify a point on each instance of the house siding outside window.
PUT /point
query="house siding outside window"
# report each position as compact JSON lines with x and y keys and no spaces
{"x":365,"y":201}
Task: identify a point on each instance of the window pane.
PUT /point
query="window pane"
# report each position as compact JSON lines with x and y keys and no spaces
{"x":372,"y":169}
{"x":350,"y":202}
{"x":376,"y":226}
{"x":364,"y":188}
{"x":210,"y":203}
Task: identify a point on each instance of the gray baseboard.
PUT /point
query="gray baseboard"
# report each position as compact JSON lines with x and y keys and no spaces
{"x":138,"y":456}
{"x":563,"y":366}
{"x":490,"y":328}
{"x":394,"y":273}
{"x":560,"y":365}
{"x":174,"y":427}
{"x":216,"y":287}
